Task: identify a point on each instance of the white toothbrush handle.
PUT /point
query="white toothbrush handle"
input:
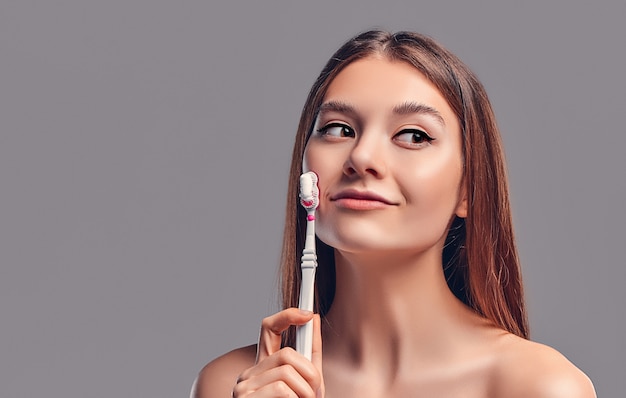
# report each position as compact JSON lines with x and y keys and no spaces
{"x":304,"y":333}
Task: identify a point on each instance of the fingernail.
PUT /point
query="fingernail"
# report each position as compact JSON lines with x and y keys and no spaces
{"x":306,"y":313}
{"x":318,"y":394}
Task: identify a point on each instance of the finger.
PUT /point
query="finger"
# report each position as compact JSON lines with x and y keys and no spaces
{"x":316,"y":353}
{"x":277,"y":389}
{"x":286,"y":356}
{"x":285,"y":374}
{"x":273,"y":326}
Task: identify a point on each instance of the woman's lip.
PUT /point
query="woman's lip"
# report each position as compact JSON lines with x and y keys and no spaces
{"x":360,"y":204}
{"x":351,"y":198}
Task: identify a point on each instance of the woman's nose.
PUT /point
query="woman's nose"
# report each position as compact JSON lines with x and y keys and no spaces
{"x":366,"y":157}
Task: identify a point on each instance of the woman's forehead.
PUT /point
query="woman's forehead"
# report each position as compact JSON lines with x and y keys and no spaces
{"x":375,"y":84}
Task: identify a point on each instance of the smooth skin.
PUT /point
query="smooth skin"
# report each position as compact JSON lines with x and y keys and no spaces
{"x":387,"y":149}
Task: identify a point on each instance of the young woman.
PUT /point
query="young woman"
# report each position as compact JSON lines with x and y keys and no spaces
{"x":418,"y":290}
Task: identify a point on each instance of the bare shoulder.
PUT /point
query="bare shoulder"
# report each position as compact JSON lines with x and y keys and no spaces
{"x":219,"y":376}
{"x":529,"y":369}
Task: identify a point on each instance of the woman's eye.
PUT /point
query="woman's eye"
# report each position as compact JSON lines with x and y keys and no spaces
{"x":413,"y":137}
{"x":336,"y":130}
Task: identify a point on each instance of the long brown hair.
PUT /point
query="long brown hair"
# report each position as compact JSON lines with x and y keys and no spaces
{"x":479,"y":258}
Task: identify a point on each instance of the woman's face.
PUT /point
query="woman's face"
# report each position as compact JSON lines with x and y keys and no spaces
{"x":387,"y":149}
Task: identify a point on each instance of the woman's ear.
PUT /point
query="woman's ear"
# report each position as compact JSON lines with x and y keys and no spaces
{"x":461,"y":208}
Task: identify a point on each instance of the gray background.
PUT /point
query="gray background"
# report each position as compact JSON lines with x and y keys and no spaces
{"x":144,"y":149}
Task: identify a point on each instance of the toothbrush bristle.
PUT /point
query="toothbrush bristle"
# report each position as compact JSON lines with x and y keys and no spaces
{"x":309,"y":192}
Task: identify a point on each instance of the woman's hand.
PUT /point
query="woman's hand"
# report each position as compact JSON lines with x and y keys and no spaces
{"x":283,"y":372}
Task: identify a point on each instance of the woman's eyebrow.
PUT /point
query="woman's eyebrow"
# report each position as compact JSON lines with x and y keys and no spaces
{"x":337,"y":106}
{"x":409,"y":108}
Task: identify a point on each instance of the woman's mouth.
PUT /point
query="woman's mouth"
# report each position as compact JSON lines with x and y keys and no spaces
{"x":360,"y":200}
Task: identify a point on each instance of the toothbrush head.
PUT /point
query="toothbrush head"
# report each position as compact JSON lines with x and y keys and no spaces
{"x":309,"y":192}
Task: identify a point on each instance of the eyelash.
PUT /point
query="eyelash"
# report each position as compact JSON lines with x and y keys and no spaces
{"x":423,"y":136}
{"x":324,"y":130}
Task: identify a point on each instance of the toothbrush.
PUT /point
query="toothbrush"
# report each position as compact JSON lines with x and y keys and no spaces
{"x":309,"y":199}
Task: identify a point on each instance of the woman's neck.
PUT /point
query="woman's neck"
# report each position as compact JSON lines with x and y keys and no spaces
{"x":393,"y":313}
